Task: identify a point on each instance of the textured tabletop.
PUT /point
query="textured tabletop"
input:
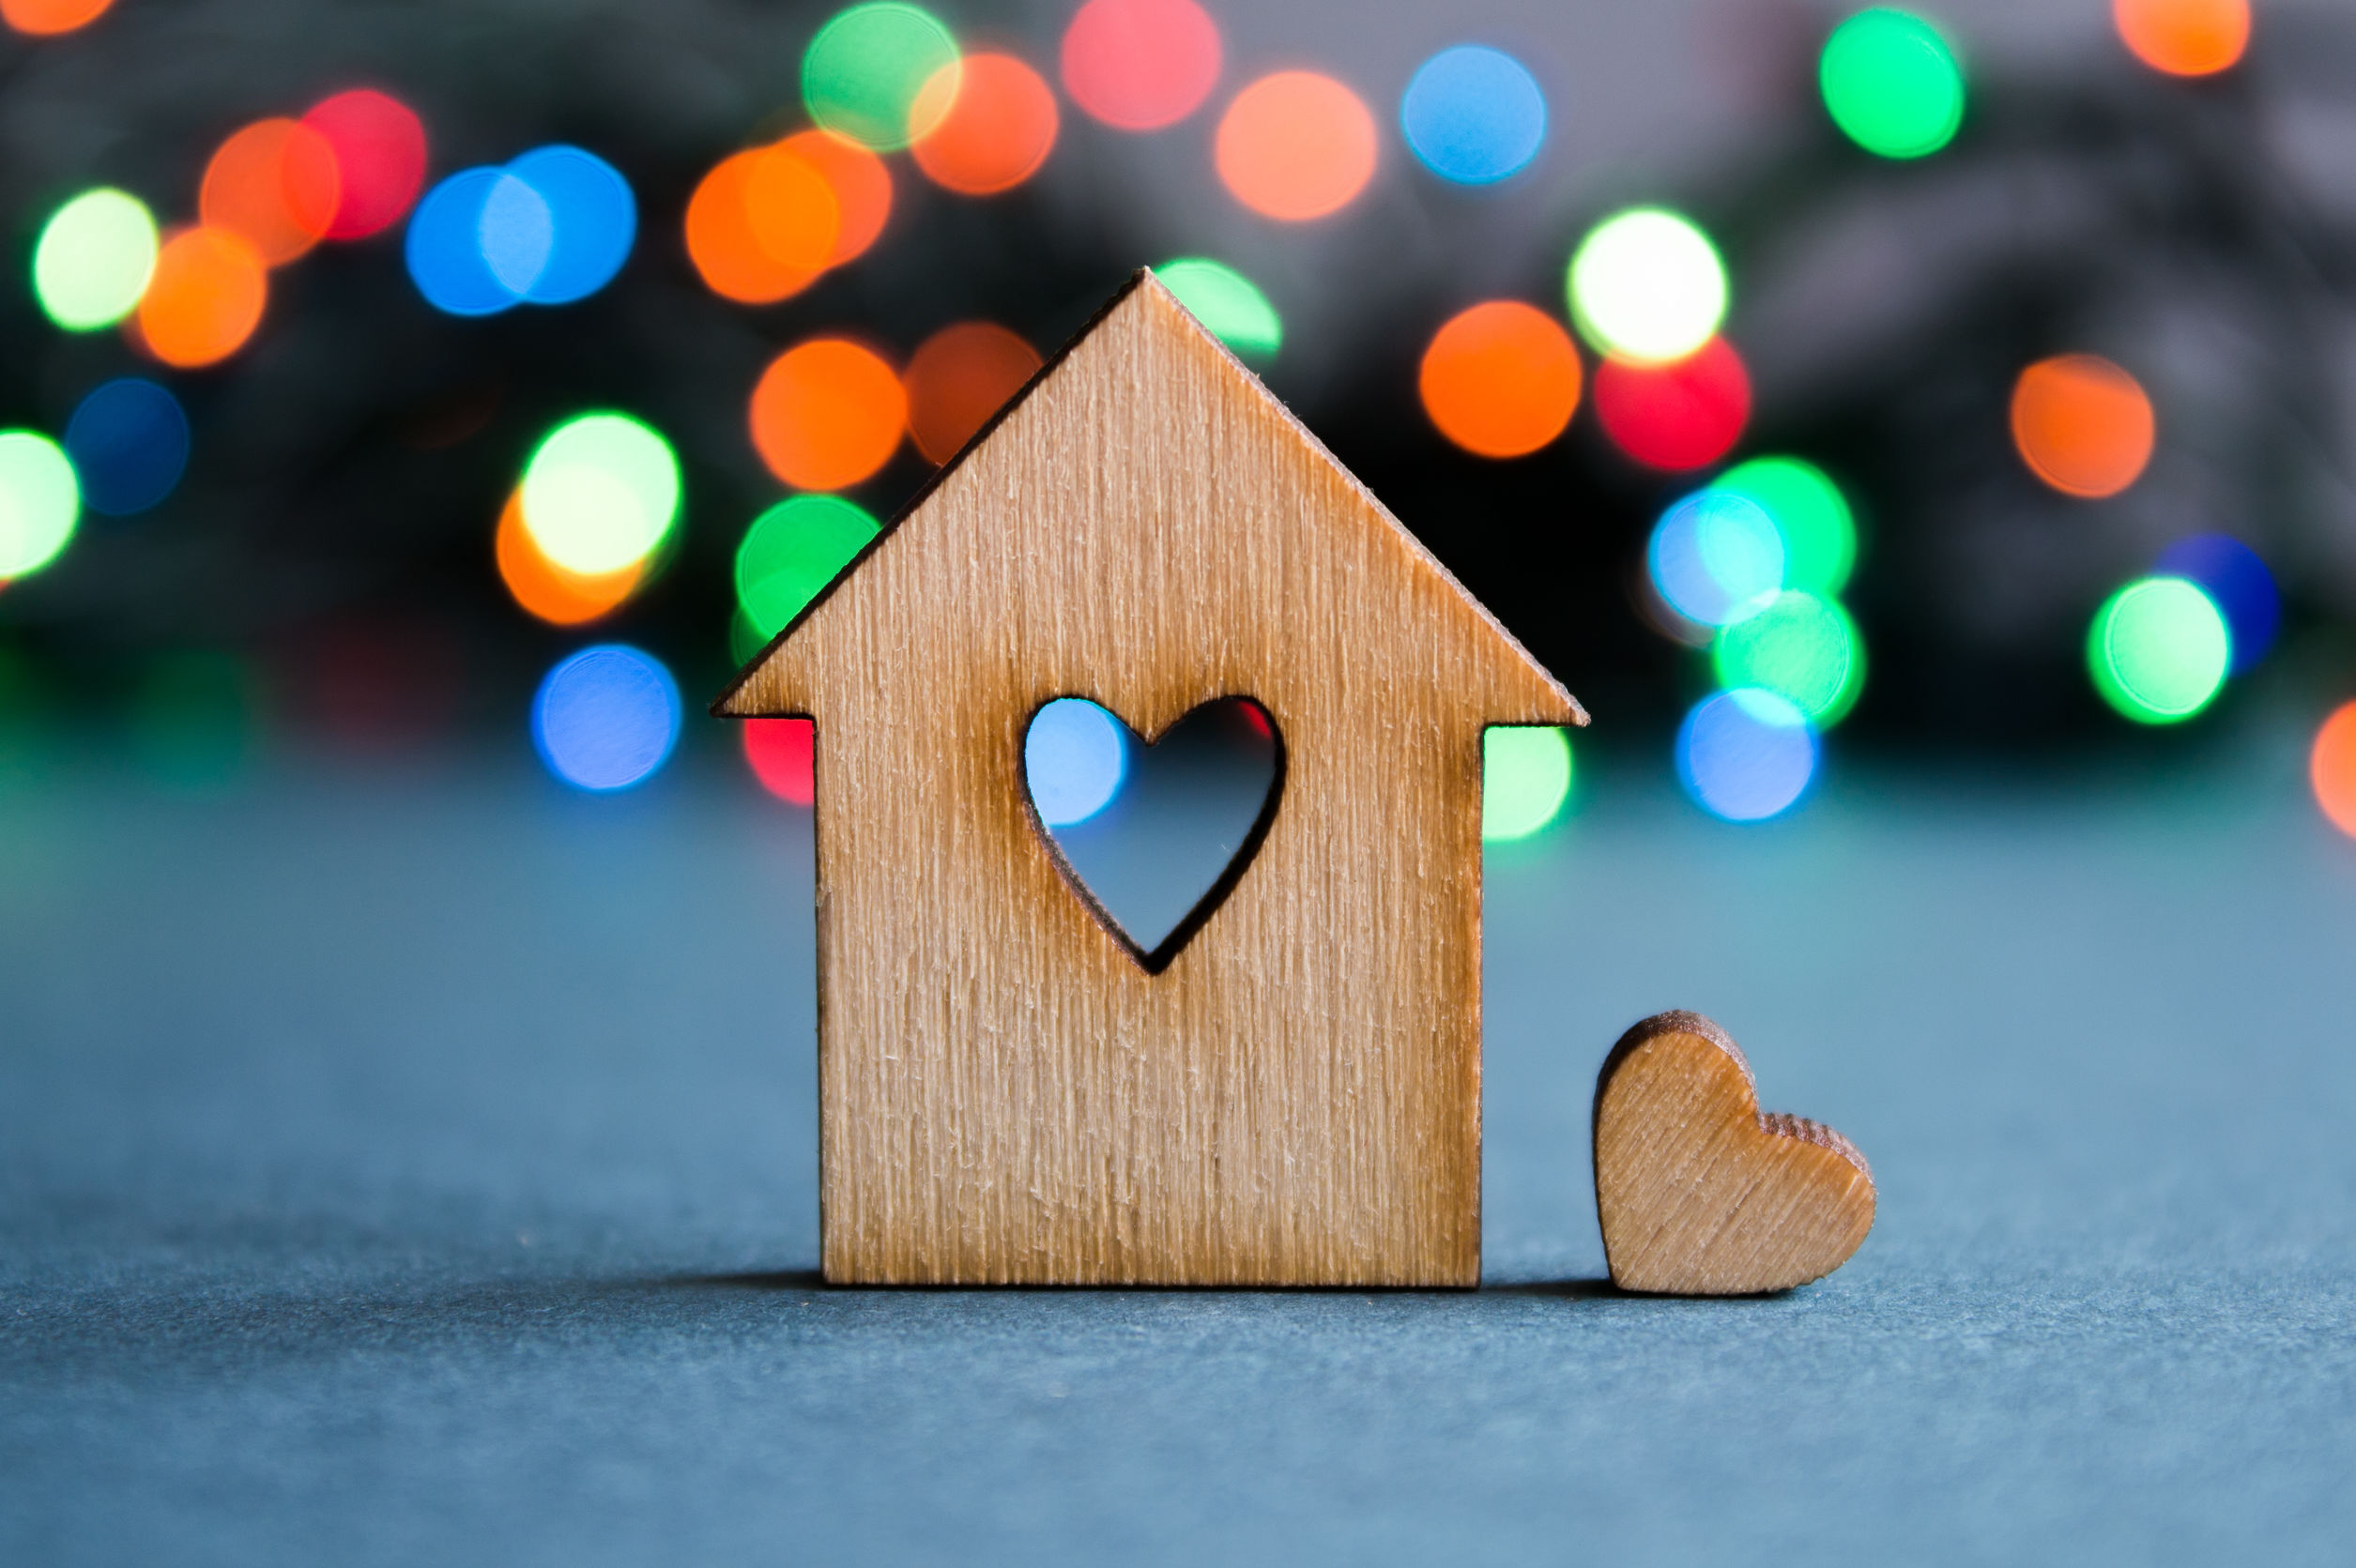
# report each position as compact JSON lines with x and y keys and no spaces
{"x":421,"y":1169}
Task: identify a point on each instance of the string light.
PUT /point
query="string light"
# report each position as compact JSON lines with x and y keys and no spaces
{"x":864,"y":74}
{"x":93,"y":259}
{"x":1810,"y":514}
{"x":1525,"y":778}
{"x":275,"y":186}
{"x":1227,"y":302}
{"x":606,"y":718}
{"x":1646,"y":287}
{"x":827,"y":413}
{"x":1296,"y":145}
{"x":1500,"y":379}
{"x":600,"y":493}
{"x":379,"y":147}
{"x":39,"y":502}
{"x":2158,"y":650}
{"x":1746,"y":754}
{"x":1074,"y":758}
{"x":1683,"y":414}
{"x":204,"y":301}
{"x":129,"y":442}
{"x":958,"y":380}
{"x":2082,"y":424}
{"x":1473,"y":115}
{"x":1892,"y":83}
{"x":2184,"y":38}
{"x":1141,"y":65}
{"x":2332,"y":768}
{"x":1800,"y":646}
{"x":791,"y":553}
{"x":994,"y":123}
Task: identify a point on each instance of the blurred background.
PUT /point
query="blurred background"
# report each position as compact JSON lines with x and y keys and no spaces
{"x":1962,"y":383}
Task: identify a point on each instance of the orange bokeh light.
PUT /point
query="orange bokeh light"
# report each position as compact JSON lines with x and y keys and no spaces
{"x":1500,"y":379}
{"x":276,"y":186}
{"x":958,"y":380}
{"x":547,"y":590}
{"x":2082,"y":424}
{"x":862,"y":186}
{"x":1296,"y":146}
{"x":204,"y":299}
{"x":44,"y":18}
{"x":721,"y":242}
{"x":2331,"y":768}
{"x":1141,"y":65}
{"x":790,"y":208}
{"x":2183,"y":38}
{"x":994,"y":123}
{"x":828,"y":414}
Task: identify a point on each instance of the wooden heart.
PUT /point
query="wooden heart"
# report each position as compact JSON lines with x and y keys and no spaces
{"x":1699,"y":1194}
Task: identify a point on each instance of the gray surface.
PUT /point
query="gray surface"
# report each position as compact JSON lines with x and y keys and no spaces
{"x":416,"y":1170}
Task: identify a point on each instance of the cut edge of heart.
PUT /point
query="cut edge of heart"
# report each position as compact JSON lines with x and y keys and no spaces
{"x":1776,"y":1220}
{"x":1158,"y":958}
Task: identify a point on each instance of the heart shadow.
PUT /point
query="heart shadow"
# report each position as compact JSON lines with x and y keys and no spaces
{"x":1153,"y":835}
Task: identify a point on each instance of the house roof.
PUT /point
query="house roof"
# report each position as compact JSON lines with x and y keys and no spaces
{"x":1139,"y":409}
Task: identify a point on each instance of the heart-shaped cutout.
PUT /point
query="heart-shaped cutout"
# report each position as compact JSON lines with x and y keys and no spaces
{"x":1153,"y":834}
{"x":1699,"y":1194}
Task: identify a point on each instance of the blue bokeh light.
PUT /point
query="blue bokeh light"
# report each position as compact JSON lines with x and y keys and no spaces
{"x":1746,"y":754}
{"x":1473,"y":115}
{"x":550,"y":228}
{"x":606,"y":718}
{"x":2233,"y":577}
{"x":129,"y":443}
{"x":1074,"y":756}
{"x":593,"y":220}
{"x":1716,"y":557}
{"x":444,"y":247}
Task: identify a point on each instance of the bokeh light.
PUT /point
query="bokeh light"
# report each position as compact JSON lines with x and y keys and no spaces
{"x":1500,"y":379}
{"x":600,"y":493}
{"x":783,"y":754}
{"x":195,"y":718}
{"x":129,"y":441}
{"x":1227,"y":303}
{"x":2332,"y":768}
{"x":546,"y":590}
{"x":42,"y":19}
{"x":758,"y":263}
{"x":592,"y":220}
{"x":993,"y":123}
{"x":1141,"y":65}
{"x":2082,"y":424}
{"x":1892,"y":83}
{"x":2183,"y":38}
{"x":1075,"y":756}
{"x":93,"y":259}
{"x":2237,"y":582}
{"x":273,"y":185}
{"x":1524,"y":780}
{"x":866,"y":71}
{"x":444,"y":248}
{"x":1801,"y":647}
{"x":1716,"y":557}
{"x":1296,"y":145}
{"x":1674,"y":416}
{"x":204,"y":301}
{"x":1473,"y":115}
{"x":39,"y":502}
{"x":1819,"y":533}
{"x":1647,"y":286}
{"x":2158,"y":650}
{"x":551,"y":227}
{"x":792,"y":552}
{"x":958,"y":380}
{"x":1746,"y":754}
{"x":379,"y":147}
{"x":860,"y":183}
{"x":827,"y":413}
{"x":605,"y":718}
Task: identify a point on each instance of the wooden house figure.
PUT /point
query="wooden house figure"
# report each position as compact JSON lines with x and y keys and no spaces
{"x":1007,"y":1095}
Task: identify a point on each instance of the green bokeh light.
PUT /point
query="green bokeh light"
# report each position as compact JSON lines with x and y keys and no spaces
{"x":863,"y":71}
{"x":600,"y":493}
{"x":1819,"y":533}
{"x":196,"y":720}
{"x":1525,"y":778}
{"x":39,"y":502}
{"x":792,"y":552}
{"x":2158,"y":650}
{"x":1227,"y":302}
{"x":1802,"y":647}
{"x":94,"y":258}
{"x":1646,"y":285}
{"x":1892,"y":83}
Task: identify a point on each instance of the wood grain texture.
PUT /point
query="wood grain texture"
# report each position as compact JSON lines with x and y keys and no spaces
{"x":1006,"y":1095}
{"x":1699,"y":1194}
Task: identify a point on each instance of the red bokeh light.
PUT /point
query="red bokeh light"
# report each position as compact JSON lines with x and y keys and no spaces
{"x":1684,"y":414}
{"x":782,"y":752}
{"x":1141,"y":65}
{"x":380,"y":156}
